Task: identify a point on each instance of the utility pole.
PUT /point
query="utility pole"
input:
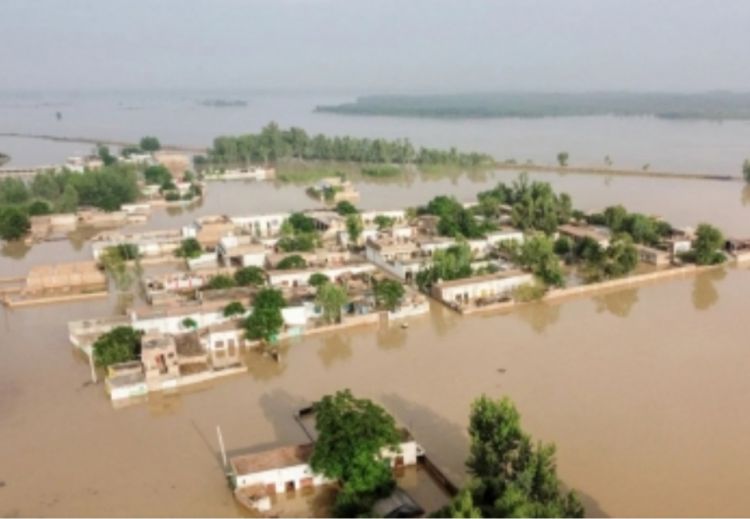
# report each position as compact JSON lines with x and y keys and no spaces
{"x":91,"y":365}
{"x":221,"y":446}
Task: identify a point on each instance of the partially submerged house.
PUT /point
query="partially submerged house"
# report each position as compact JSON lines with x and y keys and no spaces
{"x":481,"y":289}
{"x":577,"y":232}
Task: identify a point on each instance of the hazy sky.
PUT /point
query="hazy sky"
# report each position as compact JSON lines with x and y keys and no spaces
{"x":376,"y":46}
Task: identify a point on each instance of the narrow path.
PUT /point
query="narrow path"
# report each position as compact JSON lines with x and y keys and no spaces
{"x":588,"y":170}
{"x":90,"y":140}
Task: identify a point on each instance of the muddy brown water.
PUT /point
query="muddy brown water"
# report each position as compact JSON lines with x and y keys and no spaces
{"x":644,"y":391}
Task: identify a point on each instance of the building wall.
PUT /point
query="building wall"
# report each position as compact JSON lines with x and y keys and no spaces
{"x":489,"y":288}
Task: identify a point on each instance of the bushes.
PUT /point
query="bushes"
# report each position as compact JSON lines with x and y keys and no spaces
{"x":247,"y":276}
{"x":190,"y":248}
{"x":294,"y":261}
{"x":122,"y":344}
{"x":13,"y":223}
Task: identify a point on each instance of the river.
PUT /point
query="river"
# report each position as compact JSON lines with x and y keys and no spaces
{"x":643,"y":390}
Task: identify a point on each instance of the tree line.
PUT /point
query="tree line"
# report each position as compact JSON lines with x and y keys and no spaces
{"x":63,"y":192}
{"x":273,"y":144}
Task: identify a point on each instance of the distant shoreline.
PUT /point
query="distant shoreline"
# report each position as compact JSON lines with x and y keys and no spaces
{"x":91,"y":140}
{"x":713,"y":106}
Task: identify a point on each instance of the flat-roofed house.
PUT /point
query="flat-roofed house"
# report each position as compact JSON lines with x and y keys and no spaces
{"x":286,"y":469}
{"x":489,"y":287}
{"x":600,"y":235}
{"x":242,"y":251}
{"x":652,"y":256}
{"x":177,"y":163}
{"x":80,"y":276}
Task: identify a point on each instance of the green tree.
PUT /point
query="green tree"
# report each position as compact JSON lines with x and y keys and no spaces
{"x":562,"y":158}
{"x":384,"y":222}
{"x":301,"y":223}
{"x":746,"y":170}
{"x":13,"y":223}
{"x":157,"y":175}
{"x":512,"y":477}
{"x":248,"y":276}
{"x":331,"y":298}
{"x":122,"y":344}
{"x":233,"y":309}
{"x":107,"y":158}
{"x":68,"y":202}
{"x":39,"y":207}
{"x":389,"y":294}
{"x":295,"y":261}
{"x":318,"y":279}
{"x":354,"y":227}
{"x":150,"y":144}
{"x":299,"y":242}
{"x":707,"y":245}
{"x":265,"y":321}
{"x":345,"y":208}
{"x":189,"y":248}
{"x":220,"y":282}
{"x":461,"y":506}
{"x":447,"y":264}
{"x":352,"y":435}
{"x":189,"y":323}
{"x":13,"y":191}
{"x":538,"y":255}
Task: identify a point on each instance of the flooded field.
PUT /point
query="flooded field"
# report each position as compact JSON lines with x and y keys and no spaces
{"x":643,"y":390}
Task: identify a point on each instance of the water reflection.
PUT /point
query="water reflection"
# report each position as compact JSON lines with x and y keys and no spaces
{"x":745,"y":195}
{"x":442,"y":318}
{"x":336,"y":347}
{"x":15,"y":249}
{"x":539,"y":316}
{"x":705,"y":294}
{"x":391,"y":337}
{"x":618,"y":303}
{"x":261,"y":366}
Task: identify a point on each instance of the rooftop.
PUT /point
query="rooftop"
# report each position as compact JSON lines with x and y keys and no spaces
{"x":481,"y":279}
{"x":271,"y":459}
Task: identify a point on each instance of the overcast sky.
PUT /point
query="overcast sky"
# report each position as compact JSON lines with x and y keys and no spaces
{"x":376,"y":46}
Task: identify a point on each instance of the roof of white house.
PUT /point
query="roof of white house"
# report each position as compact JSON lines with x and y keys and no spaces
{"x":272,"y":459}
{"x":482,"y":279}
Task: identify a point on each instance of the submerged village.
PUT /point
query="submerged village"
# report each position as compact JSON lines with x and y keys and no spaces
{"x":205,"y":294}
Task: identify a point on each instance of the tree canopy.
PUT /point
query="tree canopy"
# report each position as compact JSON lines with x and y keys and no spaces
{"x":121,"y":344}
{"x":454,"y":220}
{"x":274,"y":144}
{"x":534,"y":205}
{"x":707,"y":245}
{"x":150,"y":143}
{"x":234,"y":309}
{"x":295,"y":261}
{"x":189,"y":248}
{"x":389,"y":293}
{"x":538,"y":255}
{"x":345,"y":208}
{"x":331,"y":298}
{"x":511,"y":476}
{"x":265,"y":321}
{"x":352,"y":434}
{"x":251,"y":275}
{"x":447,"y":264}
{"x":354,"y":227}
{"x":13,"y":223}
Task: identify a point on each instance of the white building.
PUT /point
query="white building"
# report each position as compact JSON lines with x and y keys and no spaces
{"x":295,"y":278}
{"x":251,"y":173}
{"x":491,"y":286}
{"x":242,"y":251}
{"x":263,"y":225}
{"x":286,"y":469}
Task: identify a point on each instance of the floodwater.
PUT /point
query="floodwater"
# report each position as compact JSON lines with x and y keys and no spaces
{"x":643,"y":390}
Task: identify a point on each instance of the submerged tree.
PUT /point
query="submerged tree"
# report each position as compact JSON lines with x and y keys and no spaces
{"x":352,"y":435}
{"x":331,"y":298}
{"x":512,"y":477}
